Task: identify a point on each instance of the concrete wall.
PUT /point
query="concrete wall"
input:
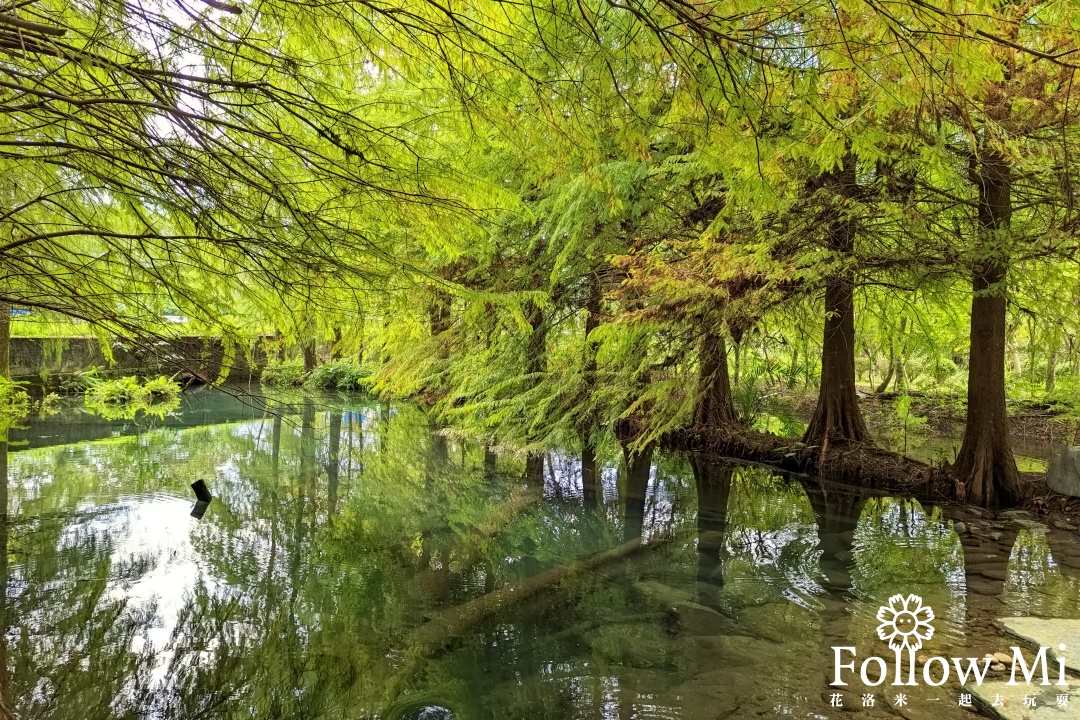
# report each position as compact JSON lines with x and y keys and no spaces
{"x":42,"y":358}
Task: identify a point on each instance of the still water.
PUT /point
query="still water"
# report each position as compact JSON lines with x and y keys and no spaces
{"x":357,"y":562}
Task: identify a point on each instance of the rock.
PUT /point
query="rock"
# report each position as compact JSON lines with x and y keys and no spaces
{"x":1031,"y":525}
{"x":776,"y":622}
{"x":697,"y":619}
{"x":959,"y":528}
{"x":1003,"y":658}
{"x":1015,"y":515}
{"x":1063,"y":475}
{"x":1039,"y":632}
{"x":838,"y":579}
{"x":1065,"y":525}
{"x":980,"y":586}
{"x":994,"y":573}
{"x":657,"y":593}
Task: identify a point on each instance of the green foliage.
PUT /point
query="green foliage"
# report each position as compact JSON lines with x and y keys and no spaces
{"x":283,"y":374}
{"x":14,"y":404}
{"x":340,"y":375}
{"x":126,"y":397}
{"x":765,"y":408}
{"x":80,"y":381}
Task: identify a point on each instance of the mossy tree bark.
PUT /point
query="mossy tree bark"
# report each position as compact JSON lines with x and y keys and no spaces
{"x":715,"y":405}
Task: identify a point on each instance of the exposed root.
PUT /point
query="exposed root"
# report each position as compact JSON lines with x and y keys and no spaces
{"x":852,"y":463}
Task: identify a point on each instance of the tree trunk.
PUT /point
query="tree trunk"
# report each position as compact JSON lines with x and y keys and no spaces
{"x":1052,"y":360}
{"x":837,"y":415}
{"x":590,"y":485}
{"x":335,"y":348}
{"x":715,"y":406}
{"x":738,"y":361}
{"x":5,"y":340}
{"x":900,"y":378}
{"x":985,"y":464}
{"x":309,"y":356}
{"x":536,"y":349}
{"x":888,"y":375}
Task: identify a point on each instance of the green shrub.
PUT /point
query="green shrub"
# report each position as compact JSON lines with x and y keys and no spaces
{"x":336,"y":375}
{"x":288,"y":373}
{"x":79,"y":382}
{"x":765,"y":409}
{"x":340,"y":375}
{"x":124,"y":398}
{"x":14,"y":404}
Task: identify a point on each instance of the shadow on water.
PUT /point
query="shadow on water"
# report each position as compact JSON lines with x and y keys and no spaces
{"x":342,"y":528}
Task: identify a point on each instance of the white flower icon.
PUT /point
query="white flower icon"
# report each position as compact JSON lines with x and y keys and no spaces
{"x":905,"y":622}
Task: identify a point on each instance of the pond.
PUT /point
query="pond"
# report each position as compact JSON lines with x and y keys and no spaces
{"x":358,"y":562}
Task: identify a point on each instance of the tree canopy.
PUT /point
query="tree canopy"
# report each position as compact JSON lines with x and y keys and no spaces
{"x":550,"y":219}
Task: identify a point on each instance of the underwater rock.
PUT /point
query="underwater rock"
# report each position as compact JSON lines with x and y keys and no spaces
{"x":1039,"y":632}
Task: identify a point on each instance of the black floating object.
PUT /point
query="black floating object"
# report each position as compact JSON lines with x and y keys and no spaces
{"x":201,"y":491}
{"x":200,"y":509}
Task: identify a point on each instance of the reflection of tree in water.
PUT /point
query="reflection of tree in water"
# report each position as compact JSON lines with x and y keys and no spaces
{"x":295,"y":616}
{"x":899,"y":548}
{"x":78,"y":649}
{"x":1035,"y":584}
{"x":771,"y":543}
{"x":309,"y":630}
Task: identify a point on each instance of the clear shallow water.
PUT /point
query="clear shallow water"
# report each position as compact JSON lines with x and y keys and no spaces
{"x":355,"y":563}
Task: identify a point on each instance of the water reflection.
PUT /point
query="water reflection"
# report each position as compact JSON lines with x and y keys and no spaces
{"x":347,"y":564}
{"x":900,"y":548}
{"x":1035,"y":584}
